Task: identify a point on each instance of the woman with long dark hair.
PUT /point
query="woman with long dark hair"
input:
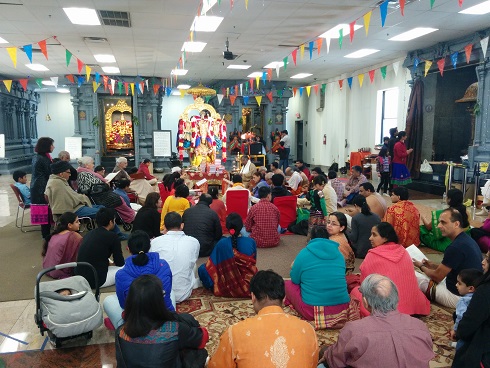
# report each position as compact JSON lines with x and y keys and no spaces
{"x":40,"y":174}
{"x":363,"y":221}
{"x":147,"y":218}
{"x":232,"y":262}
{"x":62,"y":245}
{"x":152,"y":336}
{"x":400,"y":175}
{"x":336,"y":227}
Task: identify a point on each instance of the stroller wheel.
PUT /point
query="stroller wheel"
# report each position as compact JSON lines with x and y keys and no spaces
{"x":127,"y":227}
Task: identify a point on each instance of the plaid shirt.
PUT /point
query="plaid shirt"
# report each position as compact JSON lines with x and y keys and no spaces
{"x":262,"y":221}
{"x":338,"y":186}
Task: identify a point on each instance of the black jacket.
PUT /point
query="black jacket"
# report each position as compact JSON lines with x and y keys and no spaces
{"x":279,"y":192}
{"x":202,"y":223}
{"x":148,"y":220}
{"x":41,"y":170}
{"x":474,"y":330}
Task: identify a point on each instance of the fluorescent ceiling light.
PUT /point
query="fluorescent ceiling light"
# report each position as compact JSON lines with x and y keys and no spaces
{"x":175,"y":93}
{"x":207,"y":5}
{"x":193,"y":46}
{"x":274,"y":64}
{"x":183,"y":86}
{"x":361,"y":53}
{"x":37,"y":67}
{"x":48,"y":83}
{"x":82,"y":16}
{"x":413,"y":33}
{"x":238,"y":66}
{"x":111,"y":69}
{"x":480,"y":9}
{"x":62,"y":90}
{"x":3,"y":40}
{"x":105,"y":58}
{"x":334,"y":32}
{"x":255,"y":75}
{"x":206,"y":23}
{"x":179,"y":71}
{"x":301,"y":76}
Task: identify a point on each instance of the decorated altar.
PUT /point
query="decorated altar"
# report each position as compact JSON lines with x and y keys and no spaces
{"x":119,"y":127}
{"x":218,"y":178}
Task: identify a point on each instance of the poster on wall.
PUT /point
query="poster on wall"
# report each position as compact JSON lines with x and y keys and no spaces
{"x":162,"y":143}
{"x":73,"y":145}
{"x":2,"y":145}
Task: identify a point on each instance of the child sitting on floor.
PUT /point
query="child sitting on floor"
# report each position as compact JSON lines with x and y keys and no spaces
{"x":20,"y":178}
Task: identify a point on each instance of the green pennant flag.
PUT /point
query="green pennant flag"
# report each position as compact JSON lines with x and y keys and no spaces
{"x":341,"y":37}
{"x":219,"y":2}
{"x":119,"y":87}
{"x":207,"y":98}
{"x":383,"y":71}
{"x":432,"y":3}
{"x":280,"y":93}
{"x":324,"y":86}
{"x":68,"y":57}
{"x":246,"y":86}
{"x":39,"y":82}
{"x":285,"y":61}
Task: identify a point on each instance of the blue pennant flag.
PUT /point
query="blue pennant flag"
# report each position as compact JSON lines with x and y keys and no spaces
{"x":28,"y":51}
{"x":454,"y":59}
{"x":301,"y":91}
{"x":311,"y":49}
{"x":245,"y":100}
{"x":349,"y":82}
{"x":383,"y":8}
{"x":97,"y":77}
{"x":80,"y":80}
{"x":169,"y":91}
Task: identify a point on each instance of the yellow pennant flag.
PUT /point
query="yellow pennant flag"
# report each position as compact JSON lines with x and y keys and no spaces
{"x":95,"y":85}
{"x":302,"y":51}
{"x":13,"y":55}
{"x":427,"y":66}
{"x":246,"y":4}
{"x":132,"y":88}
{"x":227,"y":91}
{"x":361,"y":79}
{"x":257,"y":82}
{"x":308,"y":89}
{"x":87,"y":72}
{"x":258,"y":99}
{"x":192,"y":36}
{"x":182,"y":93}
{"x":8,"y":84}
{"x":367,"y":21}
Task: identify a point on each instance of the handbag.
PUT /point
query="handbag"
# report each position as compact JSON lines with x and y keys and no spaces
{"x":302,"y":214}
{"x":426,"y":168}
{"x":40,"y":214}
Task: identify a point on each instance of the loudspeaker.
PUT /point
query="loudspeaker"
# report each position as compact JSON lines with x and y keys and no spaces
{"x":256,"y":149}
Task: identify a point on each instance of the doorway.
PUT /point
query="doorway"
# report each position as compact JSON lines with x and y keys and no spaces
{"x":299,"y":139}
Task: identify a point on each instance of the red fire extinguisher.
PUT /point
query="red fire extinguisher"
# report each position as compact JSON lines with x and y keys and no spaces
{"x":324,"y":139}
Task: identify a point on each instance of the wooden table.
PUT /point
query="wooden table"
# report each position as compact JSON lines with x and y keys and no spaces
{"x":212,"y":179}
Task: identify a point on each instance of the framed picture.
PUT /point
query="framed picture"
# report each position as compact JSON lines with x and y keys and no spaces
{"x":82,"y":115}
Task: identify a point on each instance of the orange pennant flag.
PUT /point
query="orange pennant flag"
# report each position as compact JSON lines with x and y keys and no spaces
{"x":467,"y":51}
{"x":351,"y":30}
{"x":132,"y":88}
{"x":319,"y":43}
{"x":8,"y":84}
{"x":315,"y":87}
{"x":371,"y":75}
{"x":302,"y":51}
{"x":294,"y":54}
{"x":23,"y":83}
{"x":269,"y":96}
{"x":13,"y":55}
{"x":427,"y":66}
{"x":142,"y":87}
{"x":440,"y":64}
{"x":294,"y":91}
{"x":80,"y":66}
{"x":87,"y":72}
{"x":360,"y":77}
{"x":367,"y":21}
{"x":44,"y":50}
{"x":70,"y":78}
{"x":402,"y":7}
{"x":156,"y":87}
{"x":258,"y":99}
{"x":308,"y":90}
{"x":341,"y":83}
{"x":257,"y":82}
{"x":269,"y":74}
{"x":251,"y":83}
{"x":126,"y":86}
{"x":232,"y":99}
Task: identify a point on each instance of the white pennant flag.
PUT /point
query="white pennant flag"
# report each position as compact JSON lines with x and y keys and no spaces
{"x":220,"y":98}
{"x":484,"y":46}
{"x":113,"y":85}
{"x":278,"y":66}
{"x":55,"y":81}
{"x":396,"y":65}
{"x":146,"y":81}
{"x":241,"y":89}
{"x":328,"y":44}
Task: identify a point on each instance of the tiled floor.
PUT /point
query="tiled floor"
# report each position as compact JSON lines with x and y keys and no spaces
{"x":18,"y":332}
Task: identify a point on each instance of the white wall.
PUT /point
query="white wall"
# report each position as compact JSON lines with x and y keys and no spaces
{"x":348,"y":114}
{"x":62,"y":122}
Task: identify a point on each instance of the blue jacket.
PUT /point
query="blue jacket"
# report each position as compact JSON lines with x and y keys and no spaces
{"x":319,"y":269}
{"x":155,"y":266}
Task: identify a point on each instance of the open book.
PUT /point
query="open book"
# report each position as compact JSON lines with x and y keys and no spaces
{"x":111,"y":176}
{"x":415,"y":253}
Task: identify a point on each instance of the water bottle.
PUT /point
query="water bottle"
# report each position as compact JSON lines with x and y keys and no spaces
{"x":444,"y":196}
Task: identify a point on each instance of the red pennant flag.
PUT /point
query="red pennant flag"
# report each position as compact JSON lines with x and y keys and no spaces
{"x":440,"y":65}
{"x":70,"y":78}
{"x":315,"y":87}
{"x":126,"y":85}
{"x":293,"y":54}
{"x":80,"y":66}
{"x":371,"y":75}
{"x":269,"y":96}
{"x":402,"y":7}
{"x":231,"y":4}
{"x":341,"y":83}
{"x":351,"y":27}
{"x":319,"y":43}
{"x":236,"y":89}
{"x":294,"y":91}
{"x":156,"y":87}
{"x":106,"y":80}
{"x":467,"y":50}
{"x":232,"y":99}
{"x":44,"y":50}
{"x":23,"y":83}
{"x":460,"y":2}
{"x":251,"y":84}
{"x":142,"y":87}
{"x":269,"y":75}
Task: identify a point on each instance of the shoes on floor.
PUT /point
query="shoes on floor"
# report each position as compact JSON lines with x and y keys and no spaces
{"x":108,"y":324}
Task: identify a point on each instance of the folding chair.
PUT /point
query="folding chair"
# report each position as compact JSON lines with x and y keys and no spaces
{"x":164,"y":193}
{"x":287,"y":209}
{"x":87,"y":221}
{"x":237,"y":201}
{"x":22,"y":206}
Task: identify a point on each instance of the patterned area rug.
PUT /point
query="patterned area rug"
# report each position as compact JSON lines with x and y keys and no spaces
{"x":216,"y":314}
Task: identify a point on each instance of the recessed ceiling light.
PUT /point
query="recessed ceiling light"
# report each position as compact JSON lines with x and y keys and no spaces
{"x":361,"y":53}
{"x":480,"y":9}
{"x":275,"y":64}
{"x":334,"y":32}
{"x":301,"y":76}
{"x":105,"y":58}
{"x":255,"y":75}
{"x":37,"y":67}
{"x":193,"y":46}
{"x":48,"y":83}
{"x":413,"y":33}
{"x":3,"y":40}
{"x":82,"y":16}
{"x":206,"y":23}
{"x":183,"y":86}
{"x":179,"y":71}
{"x":238,"y":66}
{"x":207,"y":5}
{"x":62,"y":90}
{"x":111,"y":69}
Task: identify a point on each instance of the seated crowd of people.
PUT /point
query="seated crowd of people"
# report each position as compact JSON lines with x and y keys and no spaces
{"x":171,"y":230}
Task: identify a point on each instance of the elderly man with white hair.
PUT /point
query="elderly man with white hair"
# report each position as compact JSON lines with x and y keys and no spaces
{"x":120,"y":169}
{"x":386,"y":338}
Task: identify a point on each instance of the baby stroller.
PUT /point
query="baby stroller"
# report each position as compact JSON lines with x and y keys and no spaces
{"x":67,"y":308}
